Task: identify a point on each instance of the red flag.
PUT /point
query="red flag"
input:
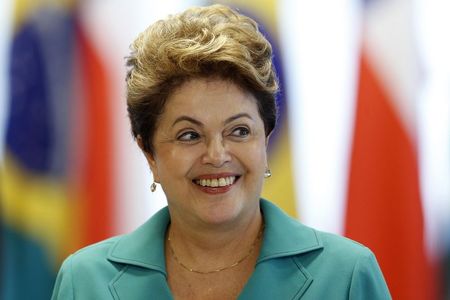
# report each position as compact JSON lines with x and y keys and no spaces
{"x":95,"y":138}
{"x":384,"y":205}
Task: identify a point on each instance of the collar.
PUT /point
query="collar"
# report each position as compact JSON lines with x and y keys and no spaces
{"x":144,"y":247}
{"x":283,"y":236}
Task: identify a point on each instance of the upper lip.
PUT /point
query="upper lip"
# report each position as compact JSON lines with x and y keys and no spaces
{"x":216,"y":175}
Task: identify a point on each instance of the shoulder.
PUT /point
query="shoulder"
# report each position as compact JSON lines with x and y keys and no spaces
{"x":345,"y":265}
{"x":288,"y":235}
{"x":88,"y":269}
{"x":337,"y":265}
{"x":88,"y":261}
{"x":334,"y":252}
{"x":95,"y":253}
{"x":286,"y":232}
{"x":340,"y":246}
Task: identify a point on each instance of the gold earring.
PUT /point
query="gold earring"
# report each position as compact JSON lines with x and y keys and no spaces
{"x":153,"y":187}
{"x":267,"y":173}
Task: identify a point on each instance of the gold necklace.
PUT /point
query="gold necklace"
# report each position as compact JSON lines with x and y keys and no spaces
{"x":252,"y":248}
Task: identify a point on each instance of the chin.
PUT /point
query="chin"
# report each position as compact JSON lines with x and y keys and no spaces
{"x":220,"y":212}
{"x":226,"y":212}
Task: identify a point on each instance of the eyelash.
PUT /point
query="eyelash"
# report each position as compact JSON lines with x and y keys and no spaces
{"x":182,"y":136}
{"x":241,"y":128}
{"x":194,"y":136}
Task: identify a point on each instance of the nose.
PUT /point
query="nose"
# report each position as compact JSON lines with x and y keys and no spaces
{"x":216,"y":153}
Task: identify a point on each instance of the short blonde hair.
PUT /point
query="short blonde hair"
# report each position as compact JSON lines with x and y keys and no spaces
{"x":199,"y":42}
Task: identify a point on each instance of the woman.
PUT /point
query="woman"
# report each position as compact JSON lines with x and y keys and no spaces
{"x":201,"y":99}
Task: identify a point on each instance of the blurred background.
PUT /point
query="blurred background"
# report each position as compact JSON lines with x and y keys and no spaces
{"x":362,"y":147}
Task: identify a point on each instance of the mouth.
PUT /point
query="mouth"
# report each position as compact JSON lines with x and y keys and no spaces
{"x":215,"y":184}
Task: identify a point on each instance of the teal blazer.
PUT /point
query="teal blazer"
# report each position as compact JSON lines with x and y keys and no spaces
{"x":295,"y":262}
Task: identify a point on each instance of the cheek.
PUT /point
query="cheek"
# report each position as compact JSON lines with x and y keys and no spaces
{"x":175,"y":161}
{"x":254,"y":157}
{"x":261,"y":147}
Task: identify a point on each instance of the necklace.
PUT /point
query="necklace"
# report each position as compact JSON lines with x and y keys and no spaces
{"x":252,"y":248}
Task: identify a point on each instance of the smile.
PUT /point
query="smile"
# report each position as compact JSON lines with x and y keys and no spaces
{"x":216,"y":182}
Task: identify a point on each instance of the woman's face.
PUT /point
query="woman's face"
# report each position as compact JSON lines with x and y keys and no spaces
{"x":210,"y":153}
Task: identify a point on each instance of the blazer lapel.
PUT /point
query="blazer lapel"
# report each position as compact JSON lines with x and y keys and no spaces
{"x":140,"y":255}
{"x":278,"y":278}
{"x":279,"y":273}
{"x":136,"y":283}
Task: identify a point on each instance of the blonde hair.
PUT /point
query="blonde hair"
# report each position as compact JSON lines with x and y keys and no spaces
{"x":199,"y":42}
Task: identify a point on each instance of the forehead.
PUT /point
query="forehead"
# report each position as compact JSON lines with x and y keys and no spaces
{"x":209,"y":99}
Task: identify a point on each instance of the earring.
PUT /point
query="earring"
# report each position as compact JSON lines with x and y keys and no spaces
{"x":267,"y":173}
{"x":153,"y":187}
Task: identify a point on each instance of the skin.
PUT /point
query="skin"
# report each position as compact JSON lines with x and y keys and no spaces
{"x":210,"y":128}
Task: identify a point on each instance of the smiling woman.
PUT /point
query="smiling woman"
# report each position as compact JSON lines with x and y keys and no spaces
{"x":210,"y":133}
{"x":201,"y":100}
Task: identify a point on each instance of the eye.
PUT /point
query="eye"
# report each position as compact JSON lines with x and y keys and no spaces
{"x":188,"y":136}
{"x":240,"y":132}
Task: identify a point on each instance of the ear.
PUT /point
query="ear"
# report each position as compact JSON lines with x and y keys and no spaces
{"x":150,"y":159}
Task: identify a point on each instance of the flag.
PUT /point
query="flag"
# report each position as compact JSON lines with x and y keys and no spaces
{"x":357,"y":161}
{"x":384,"y":205}
{"x":55,"y":194}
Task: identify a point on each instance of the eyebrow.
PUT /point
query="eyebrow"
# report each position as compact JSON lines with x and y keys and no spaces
{"x":187,"y":118}
{"x":197,"y":122}
{"x":235,"y":117}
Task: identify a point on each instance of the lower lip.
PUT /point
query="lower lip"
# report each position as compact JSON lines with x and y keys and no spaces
{"x":215,"y":190}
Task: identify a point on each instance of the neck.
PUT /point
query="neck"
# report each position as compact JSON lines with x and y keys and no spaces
{"x":212,"y":247}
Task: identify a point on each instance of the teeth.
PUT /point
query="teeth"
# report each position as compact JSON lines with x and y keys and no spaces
{"x":216,"y":182}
